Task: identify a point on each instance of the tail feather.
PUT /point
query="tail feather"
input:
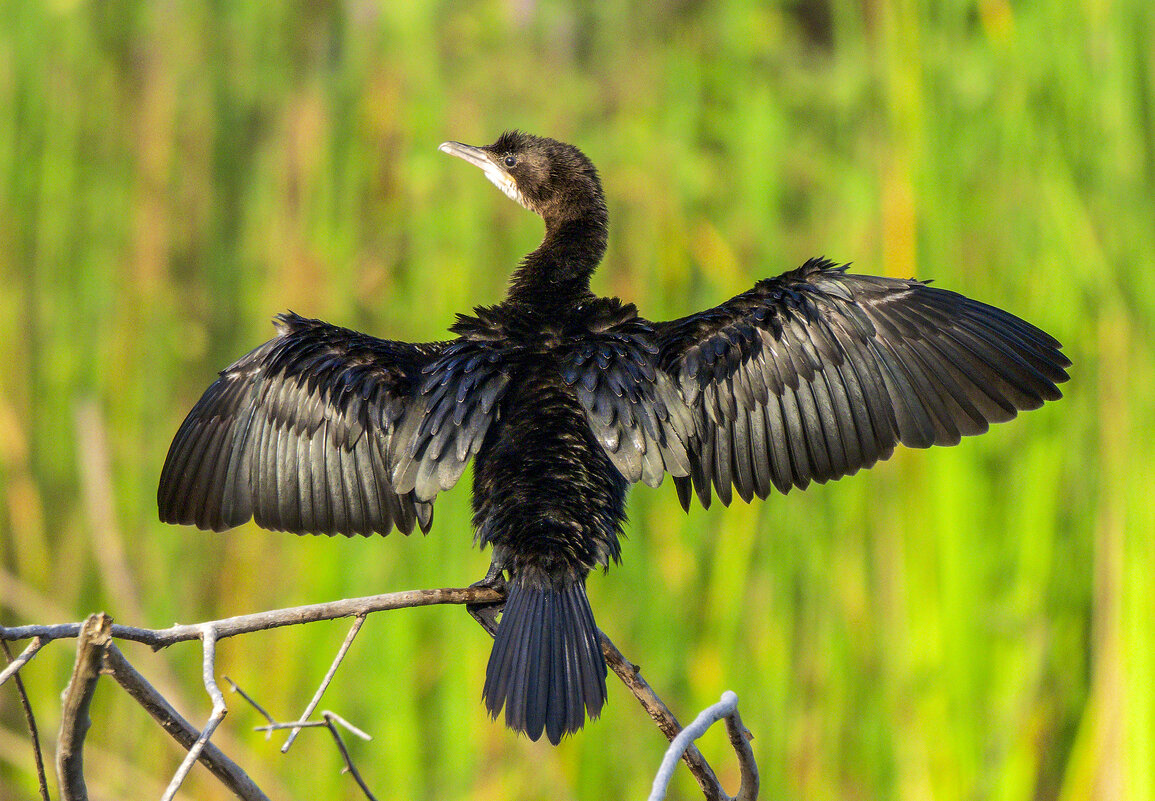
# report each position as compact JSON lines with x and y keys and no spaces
{"x":546,"y":668}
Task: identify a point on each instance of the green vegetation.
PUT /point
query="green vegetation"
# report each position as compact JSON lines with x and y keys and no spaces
{"x":967,"y":623}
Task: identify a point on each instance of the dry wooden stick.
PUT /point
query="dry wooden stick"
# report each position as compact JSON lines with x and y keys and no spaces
{"x":93,"y":638}
{"x":228,"y":772}
{"x":263,"y":621}
{"x":726,"y":708}
{"x":25,"y":657}
{"x":476,"y":596}
{"x":316,"y":699}
{"x":219,"y":710}
{"x":631,"y":676}
{"x":330,"y":721}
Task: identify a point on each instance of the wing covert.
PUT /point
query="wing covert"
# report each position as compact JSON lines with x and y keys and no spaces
{"x":457,"y":401}
{"x":634,"y":409}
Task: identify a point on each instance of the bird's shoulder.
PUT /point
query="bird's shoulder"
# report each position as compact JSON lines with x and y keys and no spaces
{"x":508,"y":326}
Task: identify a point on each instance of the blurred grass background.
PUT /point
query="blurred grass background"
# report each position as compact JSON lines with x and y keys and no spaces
{"x":968,"y":623}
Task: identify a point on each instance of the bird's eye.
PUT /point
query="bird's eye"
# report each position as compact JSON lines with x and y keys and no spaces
{"x":510,"y":161}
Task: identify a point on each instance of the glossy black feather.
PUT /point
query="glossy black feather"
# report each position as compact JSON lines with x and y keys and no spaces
{"x":634,"y":410}
{"x":298,"y":435}
{"x":450,"y":414}
{"x":839,"y":368}
{"x":546,"y":668}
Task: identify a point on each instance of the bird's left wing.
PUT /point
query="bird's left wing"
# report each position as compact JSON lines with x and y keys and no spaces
{"x":817,"y":373}
{"x":302,"y":435}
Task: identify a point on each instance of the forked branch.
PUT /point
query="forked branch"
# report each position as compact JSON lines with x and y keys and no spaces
{"x":96,"y":652}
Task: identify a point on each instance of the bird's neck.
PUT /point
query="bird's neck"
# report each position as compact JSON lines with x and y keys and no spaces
{"x":557,"y":274}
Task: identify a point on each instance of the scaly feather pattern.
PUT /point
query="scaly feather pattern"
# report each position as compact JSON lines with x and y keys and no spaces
{"x":454,"y":408}
{"x":635,"y":411}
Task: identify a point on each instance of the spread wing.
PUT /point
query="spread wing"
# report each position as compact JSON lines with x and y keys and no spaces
{"x":634,"y":409}
{"x":817,"y":373}
{"x":302,"y":435}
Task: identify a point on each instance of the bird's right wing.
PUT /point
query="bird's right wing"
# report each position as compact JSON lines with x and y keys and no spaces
{"x":302,"y":435}
{"x":817,"y":373}
{"x":458,"y":399}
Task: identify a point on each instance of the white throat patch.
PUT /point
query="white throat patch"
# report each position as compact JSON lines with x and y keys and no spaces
{"x":503,"y":182}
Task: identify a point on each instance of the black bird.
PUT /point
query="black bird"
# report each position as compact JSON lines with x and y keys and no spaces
{"x":565,"y":399}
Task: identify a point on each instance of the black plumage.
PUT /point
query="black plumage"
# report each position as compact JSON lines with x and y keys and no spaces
{"x":564,"y":399}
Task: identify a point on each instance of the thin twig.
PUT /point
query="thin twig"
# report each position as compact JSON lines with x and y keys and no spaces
{"x":333,"y":717}
{"x":631,"y":677}
{"x":314,"y":724}
{"x":26,"y":706}
{"x":275,"y":725}
{"x":237,"y":689}
{"x":330,"y":721}
{"x":212,"y":631}
{"x":316,"y":699}
{"x":350,"y":768}
{"x":137,"y":686}
{"x":74,"y":721}
{"x":25,"y":657}
{"x":219,"y":710}
{"x":740,"y":738}
{"x":180,"y":730}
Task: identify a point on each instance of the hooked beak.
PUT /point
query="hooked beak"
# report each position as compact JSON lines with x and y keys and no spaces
{"x":479,"y":157}
{"x":474,"y":155}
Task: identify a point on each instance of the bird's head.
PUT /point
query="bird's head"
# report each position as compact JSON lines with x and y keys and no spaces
{"x":550,"y":178}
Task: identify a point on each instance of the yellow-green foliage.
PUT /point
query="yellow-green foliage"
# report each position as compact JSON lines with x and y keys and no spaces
{"x":967,"y":623}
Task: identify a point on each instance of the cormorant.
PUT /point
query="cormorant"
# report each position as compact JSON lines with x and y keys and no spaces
{"x":565,"y":399}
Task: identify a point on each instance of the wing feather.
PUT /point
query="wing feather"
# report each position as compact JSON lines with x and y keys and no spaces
{"x":457,"y":402}
{"x":818,"y":373}
{"x":634,"y":410}
{"x":298,"y":435}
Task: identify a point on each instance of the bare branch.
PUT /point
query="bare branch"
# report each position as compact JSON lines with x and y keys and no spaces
{"x":727,"y":707}
{"x":229,"y":773}
{"x":274,"y":725}
{"x":661,"y":715}
{"x":349,"y":766}
{"x":263,"y":621}
{"x":740,"y":738}
{"x":333,"y":717}
{"x":476,"y":597}
{"x":315,"y":724}
{"x":330,"y":721}
{"x":316,"y":699}
{"x":26,"y":706}
{"x":687,"y":736}
{"x":94,"y":637}
{"x":237,"y":689}
{"x":56,"y":631}
{"x":219,"y":710}
{"x":25,"y":657}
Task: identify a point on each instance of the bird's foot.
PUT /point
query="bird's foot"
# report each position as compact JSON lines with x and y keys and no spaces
{"x":486,"y":613}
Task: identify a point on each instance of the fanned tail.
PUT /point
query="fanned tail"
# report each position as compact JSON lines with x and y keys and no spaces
{"x":546,"y":667}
